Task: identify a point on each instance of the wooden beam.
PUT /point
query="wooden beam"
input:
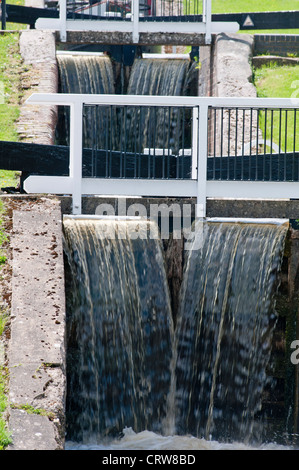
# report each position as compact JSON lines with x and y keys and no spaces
{"x":53,"y":160}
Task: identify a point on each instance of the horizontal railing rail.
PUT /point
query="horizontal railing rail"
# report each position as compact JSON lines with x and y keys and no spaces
{"x":175,"y":146}
{"x":135,"y":17}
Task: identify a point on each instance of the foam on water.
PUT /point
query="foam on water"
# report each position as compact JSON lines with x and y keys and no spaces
{"x":147,"y":440}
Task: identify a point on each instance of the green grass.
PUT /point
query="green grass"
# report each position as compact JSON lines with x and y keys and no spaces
{"x":10,"y":64}
{"x":4,"y":432}
{"x":5,"y":438}
{"x":246,"y":6}
{"x":276,"y":81}
{"x":9,"y":77}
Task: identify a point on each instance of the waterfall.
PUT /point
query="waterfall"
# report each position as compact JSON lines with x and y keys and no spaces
{"x":132,"y":129}
{"x":89,"y":74}
{"x":224,"y":330}
{"x":126,"y":365}
{"x":119,"y":328}
{"x":85,"y":74}
{"x":161,"y":127}
{"x":158,"y":77}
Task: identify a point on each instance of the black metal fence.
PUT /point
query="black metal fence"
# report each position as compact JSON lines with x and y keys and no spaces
{"x":253,"y":144}
{"x":244,"y":144}
{"x":137,"y":141}
{"x":148,"y":9}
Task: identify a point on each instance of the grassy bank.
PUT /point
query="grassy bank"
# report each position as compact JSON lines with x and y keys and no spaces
{"x":274,"y":81}
{"x":10,"y":94}
{"x":4,"y":432}
{"x":246,"y":6}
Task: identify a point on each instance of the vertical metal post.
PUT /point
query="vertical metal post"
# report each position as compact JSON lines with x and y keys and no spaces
{"x":207,"y":18}
{"x":135,"y":20}
{"x":195,"y":117}
{"x":3,"y":14}
{"x":62,"y":19}
{"x":76,"y":147}
{"x":202,"y":161}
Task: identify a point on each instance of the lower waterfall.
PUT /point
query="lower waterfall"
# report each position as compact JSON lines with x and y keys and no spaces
{"x":129,"y":373}
{"x":119,"y":327}
{"x":225,"y":327}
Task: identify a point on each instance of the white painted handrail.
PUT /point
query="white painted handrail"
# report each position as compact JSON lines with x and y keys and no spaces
{"x":197,"y":187}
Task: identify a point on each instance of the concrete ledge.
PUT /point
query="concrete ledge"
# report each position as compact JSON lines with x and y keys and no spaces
{"x":147,"y":39}
{"x":251,"y":208}
{"x":233,"y":73}
{"x":37,"y":123}
{"x":255,"y":208}
{"x":31,"y":432}
{"x":259,"y":61}
{"x":37,"y":344}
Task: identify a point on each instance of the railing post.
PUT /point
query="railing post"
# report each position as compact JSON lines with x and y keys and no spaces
{"x":76,"y":128}
{"x":135,"y":20}
{"x":3,"y":14}
{"x":195,"y":129}
{"x":62,"y":19}
{"x":207,"y":18}
{"x":202,"y":161}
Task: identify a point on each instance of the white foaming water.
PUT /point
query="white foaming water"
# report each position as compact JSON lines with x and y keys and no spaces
{"x":147,"y":440}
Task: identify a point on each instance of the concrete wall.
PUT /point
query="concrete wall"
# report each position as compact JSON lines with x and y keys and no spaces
{"x":36,"y":350}
{"x":226,"y":72}
{"x":37,"y":330}
{"x":40,"y":75}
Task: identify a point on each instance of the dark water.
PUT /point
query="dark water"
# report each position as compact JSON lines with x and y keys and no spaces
{"x":127,"y":368}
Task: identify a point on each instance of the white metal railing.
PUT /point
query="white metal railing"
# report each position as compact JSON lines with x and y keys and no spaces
{"x":134,"y":25}
{"x":197,"y":186}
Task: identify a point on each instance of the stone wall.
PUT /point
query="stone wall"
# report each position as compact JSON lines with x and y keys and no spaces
{"x":40,"y":75}
{"x":226,"y":72}
{"x":36,"y":351}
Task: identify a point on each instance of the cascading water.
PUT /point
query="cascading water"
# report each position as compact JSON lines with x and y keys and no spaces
{"x":85,"y":74}
{"x":113,"y":128}
{"x":88,"y":74}
{"x":119,"y":328}
{"x":126,"y":366}
{"x":161,"y":77}
{"x":224,"y":329}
